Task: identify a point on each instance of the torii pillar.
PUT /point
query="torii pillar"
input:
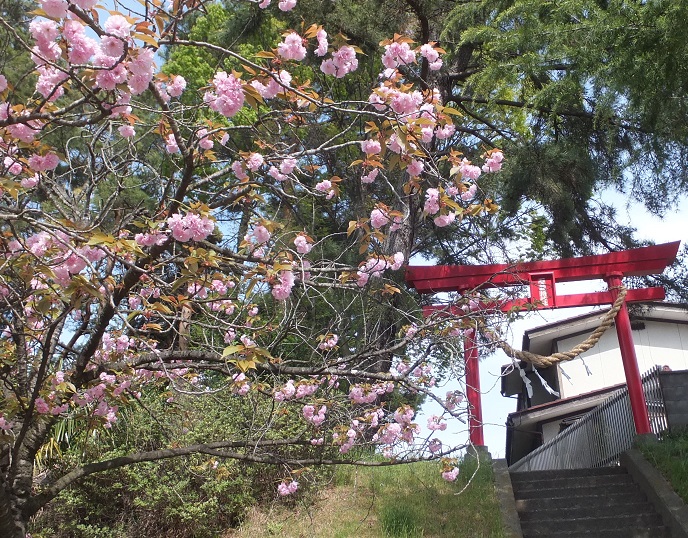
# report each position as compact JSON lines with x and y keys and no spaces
{"x":541,"y":277}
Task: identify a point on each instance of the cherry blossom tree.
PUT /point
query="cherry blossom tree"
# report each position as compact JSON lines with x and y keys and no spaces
{"x":157,"y":235}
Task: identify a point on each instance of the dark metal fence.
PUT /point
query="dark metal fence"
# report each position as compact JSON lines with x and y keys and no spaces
{"x":600,"y":436}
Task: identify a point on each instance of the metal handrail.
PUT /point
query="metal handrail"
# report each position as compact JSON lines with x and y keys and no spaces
{"x":601,"y":435}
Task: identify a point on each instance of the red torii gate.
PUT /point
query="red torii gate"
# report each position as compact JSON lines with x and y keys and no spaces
{"x":542,"y":277}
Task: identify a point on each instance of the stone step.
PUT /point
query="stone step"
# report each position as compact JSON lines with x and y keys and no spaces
{"x":600,"y":510}
{"x":591,"y":524}
{"x":582,"y":491}
{"x":620,"y":480}
{"x":617,"y":497}
{"x":639,"y":532}
{"x":566,"y":473}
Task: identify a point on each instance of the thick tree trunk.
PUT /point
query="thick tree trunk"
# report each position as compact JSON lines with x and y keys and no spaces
{"x":400,"y":240}
{"x":11,"y":520}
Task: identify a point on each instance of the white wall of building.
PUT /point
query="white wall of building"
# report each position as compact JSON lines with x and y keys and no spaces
{"x":660,"y":343}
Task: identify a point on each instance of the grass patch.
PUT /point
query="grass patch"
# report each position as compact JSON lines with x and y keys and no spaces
{"x":670,"y":456}
{"x":407,"y":501}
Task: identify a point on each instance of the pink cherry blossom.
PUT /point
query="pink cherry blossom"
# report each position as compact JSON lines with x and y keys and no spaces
{"x":415,"y":168}
{"x":444,"y":220}
{"x":274,"y":85}
{"x":397,"y":54}
{"x":282,"y":290}
{"x":287,"y":488}
{"x":171,"y":144}
{"x":321,"y":36}
{"x":40,"y":163}
{"x":292,"y":47}
{"x":452,"y":399}
{"x":43,"y":30}
{"x":373,"y":267}
{"x":3,"y":83}
{"x":370,"y":176}
{"x":13,"y":167}
{"x":494,"y":162}
{"x":112,"y":46}
{"x":204,"y":141}
{"x":190,"y":227}
{"x":81,"y":49}
{"x":126,"y":131}
{"x":239,"y":170}
{"x":111,"y":73}
{"x":399,"y":260}
{"x":323,"y":186}
{"x":85,"y":4}
{"x":287,"y":165}
{"x":329,"y":342}
{"x":371,"y":147}
{"x":141,"y":69}
{"x":261,"y":234}
{"x":406,"y":103}
{"x":302,"y":244}
{"x":394,"y":144}
{"x":274,"y":172}
{"x":436,"y":423}
{"x":176,"y":86}
{"x":446,"y":131}
{"x":428,"y":52}
{"x":470,"y":193}
{"x":254,"y":161}
{"x":49,"y":82}
{"x":30,"y":182}
{"x":450,"y":476}
{"x":56,"y":9}
{"x":286,"y":5}
{"x":118,"y":25}
{"x":311,"y":416}
{"x":149,"y":239}
{"x":469,"y":171}
{"x":411,"y":331}
{"x":343,"y":61}
{"x":228,"y":96}
{"x":42,"y":406}
{"x":378,"y":218}
{"x":431,"y":201}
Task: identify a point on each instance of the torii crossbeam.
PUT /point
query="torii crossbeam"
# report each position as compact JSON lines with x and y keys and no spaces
{"x":541,"y":277}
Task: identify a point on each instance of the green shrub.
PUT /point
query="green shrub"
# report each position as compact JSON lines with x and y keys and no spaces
{"x":192,"y":497}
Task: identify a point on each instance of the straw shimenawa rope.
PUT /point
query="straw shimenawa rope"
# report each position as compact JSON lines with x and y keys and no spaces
{"x":543,"y":362}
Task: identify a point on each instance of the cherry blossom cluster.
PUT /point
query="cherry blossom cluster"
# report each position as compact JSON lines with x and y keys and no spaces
{"x":287,"y":488}
{"x":314,"y":418}
{"x":241,"y":386}
{"x":401,"y":430}
{"x":190,"y":227}
{"x":328,"y":342}
{"x":440,"y":201}
{"x":66,"y":256}
{"x":436,"y":423}
{"x":298,"y":390}
{"x":368,"y":394}
{"x":282,"y":289}
{"x":375,"y":266}
{"x":342,"y":63}
{"x":302,"y":244}
{"x":227,"y":94}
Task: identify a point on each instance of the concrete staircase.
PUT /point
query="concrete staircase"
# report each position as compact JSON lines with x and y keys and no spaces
{"x":579,"y":503}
